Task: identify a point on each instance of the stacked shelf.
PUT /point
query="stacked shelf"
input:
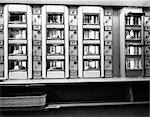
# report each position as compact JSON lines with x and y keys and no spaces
{"x":91,"y":52}
{"x":56,"y":41}
{"x":55,"y":51}
{"x":134,"y":45}
{"x":18,"y":39}
{"x":91,"y":42}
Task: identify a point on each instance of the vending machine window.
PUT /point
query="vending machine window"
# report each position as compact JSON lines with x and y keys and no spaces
{"x":15,"y":49}
{"x":90,"y":65}
{"x":55,"y":18}
{"x":16,"y":65}
{"x":133,"y":50}
{"x":133,"y":20}
{"x":55,"y":33}
{"x":55,"y":49}
{"x":91,"y":34}
{"x":133,"y":35}
{"x":91,"y":49}
{"x":133,"y":64}
{"x":91,"y":19}
{"x":55,"y":65}
{"x":17,"y":33}
{"x":17,"y":17}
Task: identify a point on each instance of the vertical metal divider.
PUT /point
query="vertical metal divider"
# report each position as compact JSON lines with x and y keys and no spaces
{"x":66,"y":42}
{"x":6,"y":42}
{"x":143,"y":53}
{"x":102,"y":40}
{"x":122,"y":43}
{"x":116,"y":42}
{"x":29,"y":29}
{"x":44,"y":42}
{"x":80,"y":46}
{"x":142,"y":39}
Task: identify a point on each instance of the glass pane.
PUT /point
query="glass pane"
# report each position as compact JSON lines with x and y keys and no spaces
{"x":55,"y":65}
{"x":91,"y":65}
{"x":55,"y":18}
{"x":91,"y":50}
{"x":55,"y":34}
{"x":91,"y":34}
{"x":17,"y":65}
{"x":17,"y":17}
{"x":15,"y":49}
{"x":55,"y":49}
{"x":91,"y":19}
{"x":15,"y":33}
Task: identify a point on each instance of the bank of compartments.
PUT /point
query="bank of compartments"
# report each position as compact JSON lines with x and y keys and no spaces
{"x":61,"y":42}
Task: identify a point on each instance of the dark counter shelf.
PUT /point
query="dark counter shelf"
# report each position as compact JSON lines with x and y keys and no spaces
{"x":68,"y":105}
{"x":61,"y":105}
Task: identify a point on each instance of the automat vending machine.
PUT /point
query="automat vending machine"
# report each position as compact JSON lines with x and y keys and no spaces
{"x":18,"y":41}
{"x":131,"y":43}
{"x":55,"y":56}
{"x":90,"y":42}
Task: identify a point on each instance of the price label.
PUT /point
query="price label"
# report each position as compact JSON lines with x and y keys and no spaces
{"x":36,"y":11}
{"x":73,"y":12}
{"x":37,"y":27}
{"x":73,"y":27}
{"x":73,"y":58}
